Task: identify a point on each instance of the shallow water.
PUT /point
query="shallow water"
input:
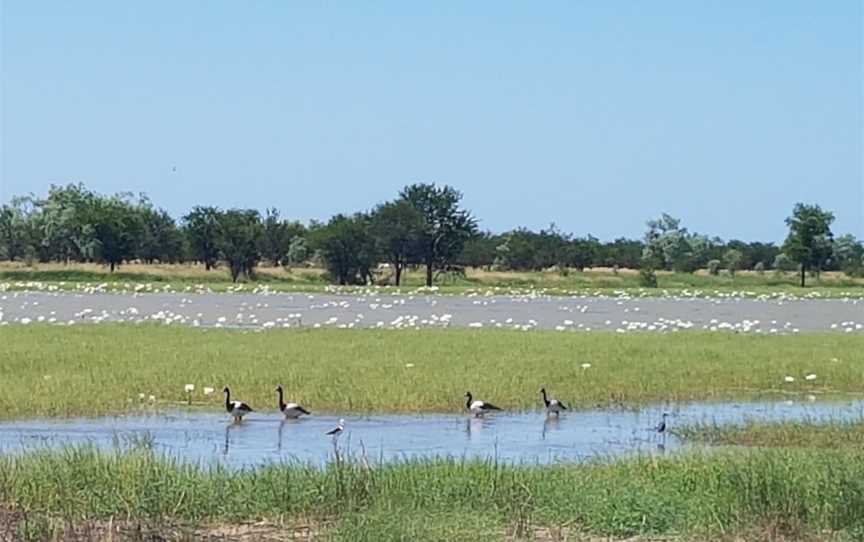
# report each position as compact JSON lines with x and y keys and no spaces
{"x":527,"y":437}
{"x":525,"y":312}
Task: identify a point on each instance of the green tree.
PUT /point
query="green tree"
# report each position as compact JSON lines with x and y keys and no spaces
{"x":275,"y":241}
{"x":201,"y":225}
{"x":298,"y":251}
{"x":396,"y":227}
{"x":239,"y":236}
{"x":848,"y":254}
{"x":782,"y":262}
{"x":64,"y":224}
{"x":347,"y":248}
{"x":446,"y":225}
{"x":810,"y":239}
{"x":733,"y":260}
{"x":673,"y":247}
{"x":161,"y":239}
{"x":518,"y":251}
{"x":479,"y":250}
{"x":115,"y":225}
{"x":13,"y":232}
{"x":580,"y":252}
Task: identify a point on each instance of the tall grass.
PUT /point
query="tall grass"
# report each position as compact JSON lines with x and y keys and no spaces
{"x":63,"y":371}
{"x":710,"y":494}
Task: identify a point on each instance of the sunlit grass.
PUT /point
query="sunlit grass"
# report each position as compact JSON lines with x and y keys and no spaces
{"x":810,"y":434}
{"x":792,"y":493}
{"x":599,"y":280}
{"x":84,"y":370}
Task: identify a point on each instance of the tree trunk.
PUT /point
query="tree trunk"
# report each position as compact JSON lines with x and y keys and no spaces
{"x":206,"y":265}
{"x":111,"y":266}
{"x":398,"y":273}
{"x":803,"y":274}
{"x":428,"y":274}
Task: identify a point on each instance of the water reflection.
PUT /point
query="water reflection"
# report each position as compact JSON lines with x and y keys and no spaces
{"x":513,"y":437}
{"x":550,"y":423}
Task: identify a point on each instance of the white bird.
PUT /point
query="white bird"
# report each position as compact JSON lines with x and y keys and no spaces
{"x":237,"y":409}
{"x":553,"y":406}
{"x":290,"y":410}
{"x":478,"y":408}
{"x":338,"y":429}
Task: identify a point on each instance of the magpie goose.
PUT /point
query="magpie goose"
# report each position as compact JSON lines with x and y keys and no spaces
{"x":478,"y":408}
{"x":237,"y":409}
{"x":290,"y":410}
{"x":552,"y":405}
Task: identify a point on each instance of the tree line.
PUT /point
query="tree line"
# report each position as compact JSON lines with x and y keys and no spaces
{"x":425,"y":226}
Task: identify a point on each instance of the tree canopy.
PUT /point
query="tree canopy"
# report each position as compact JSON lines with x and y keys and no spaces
{"x":810,"y":241}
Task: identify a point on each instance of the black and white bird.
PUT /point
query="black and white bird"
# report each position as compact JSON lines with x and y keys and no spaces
{"x":336,"y":431}
{"x":553,"y":406}
{"x":290,"y":410}
{"x":237,"y":409}
{"x":478,"y":408}
{"x":661,"y":427}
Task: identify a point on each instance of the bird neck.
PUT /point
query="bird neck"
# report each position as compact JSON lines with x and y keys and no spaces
{"x":281,"y":401}
{"x":468,"y":401}
{"x":228,"y":400}
{"x":545,"y":400}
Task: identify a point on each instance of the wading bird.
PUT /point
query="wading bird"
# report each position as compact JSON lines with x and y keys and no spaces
{"x":237,"y":409}
{"x":290,"y":410}
{"x":553,"y":406}
{"x":478,"y":408}
{"x":661,"y":427}
{"x":336,"y":431}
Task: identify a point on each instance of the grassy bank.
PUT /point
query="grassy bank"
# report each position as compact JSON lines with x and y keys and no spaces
{"x":832,"y":435}
{"x":83,"y":370}
{"x":765,"y":494}
{"x":180,"y":277}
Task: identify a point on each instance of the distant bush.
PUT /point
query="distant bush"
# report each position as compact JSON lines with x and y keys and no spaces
{"x":759,"y":268}
{"x":647,"y":276}
{"x":714,"y":267}
{"x":782,"y":262}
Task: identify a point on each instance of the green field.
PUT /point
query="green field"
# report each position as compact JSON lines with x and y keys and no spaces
{"x":88,"y":370}
{"x":594,"y":281}
{"x":832,"y":434}
{"x":764,"y":495}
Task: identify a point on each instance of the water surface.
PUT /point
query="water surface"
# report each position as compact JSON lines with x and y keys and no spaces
{"x":525,"y":437}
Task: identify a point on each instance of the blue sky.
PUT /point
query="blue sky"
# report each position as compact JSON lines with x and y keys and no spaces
{"x":595,"y":115}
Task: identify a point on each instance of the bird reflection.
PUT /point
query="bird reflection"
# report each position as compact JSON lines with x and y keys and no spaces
{"x":279,"y":436}
{"x":550,"y":423}
{"x":474,"y":425}
{"x":227,"y":438}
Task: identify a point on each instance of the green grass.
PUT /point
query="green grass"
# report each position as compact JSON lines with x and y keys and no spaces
{"x":596,"y":281}
{"x":805,"y":434}
{"x":791,"y":493}
{"x":89,"y":370}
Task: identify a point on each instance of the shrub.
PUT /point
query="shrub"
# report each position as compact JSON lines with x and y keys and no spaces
{"x":714,"y":267}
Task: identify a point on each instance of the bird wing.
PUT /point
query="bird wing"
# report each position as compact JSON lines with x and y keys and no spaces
{"x":295,"y":406}
{"x":489,"y":406}
{"x":334,"y":431}
{"x":239,"y":405}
